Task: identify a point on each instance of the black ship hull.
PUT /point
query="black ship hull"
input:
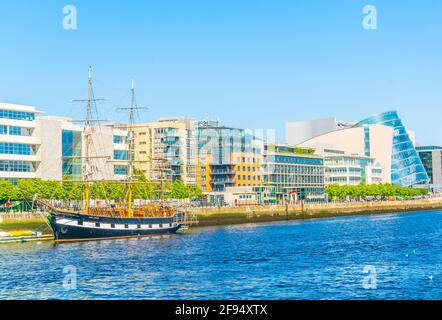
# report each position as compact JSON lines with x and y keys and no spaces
{"x":69,"y":227}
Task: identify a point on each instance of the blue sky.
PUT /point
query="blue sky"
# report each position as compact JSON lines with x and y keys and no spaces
{"x":247,"y":63}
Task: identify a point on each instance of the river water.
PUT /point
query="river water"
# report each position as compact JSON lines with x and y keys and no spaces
{"x":391,"y":256}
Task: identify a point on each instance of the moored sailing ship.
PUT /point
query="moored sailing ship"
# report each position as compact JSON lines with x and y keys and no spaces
{"x":124,"y":220}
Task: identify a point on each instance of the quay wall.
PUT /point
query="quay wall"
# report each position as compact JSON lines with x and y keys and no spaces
{"x":251,"y":214}
{"x":213,"y":216}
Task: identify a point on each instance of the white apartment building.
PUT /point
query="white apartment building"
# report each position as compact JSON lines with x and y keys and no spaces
{"x":52,"y":147}
{"x":167,"y":147}
{"x":19,"y":144}
{"x":350,"y":169}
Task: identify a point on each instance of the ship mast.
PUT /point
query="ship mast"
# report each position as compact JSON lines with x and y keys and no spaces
{"x":87,"y":133}
{"x":87,"y":171}
{"x":132,"y":109}
{"x":131,"y":145}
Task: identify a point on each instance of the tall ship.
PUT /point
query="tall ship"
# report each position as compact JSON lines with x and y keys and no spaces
{"x":122,"y":219}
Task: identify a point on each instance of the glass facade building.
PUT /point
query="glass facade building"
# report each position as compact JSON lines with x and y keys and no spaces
{"x":406,"y":166}
{"x":431,"y":157}
{"x":293,"y":173}
{"x":229,"y":157}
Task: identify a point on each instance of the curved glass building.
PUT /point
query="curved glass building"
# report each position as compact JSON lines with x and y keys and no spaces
{"x":406,"y":166}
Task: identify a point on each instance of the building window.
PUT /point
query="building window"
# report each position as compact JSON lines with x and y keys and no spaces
{"x":119,"y":139}
{"x":12,"y":148}
{"x":17,"y":115}
{"x":367,"y":141}
{"x":121,"y":155}
{"x":16,"y":166}
{"x":71,"y":152}
{"x":120,"y":170}
{"x":15,"y":131}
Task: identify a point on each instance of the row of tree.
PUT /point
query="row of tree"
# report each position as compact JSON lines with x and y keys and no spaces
{"x":55,"y":190}
{"x":362,"y":190}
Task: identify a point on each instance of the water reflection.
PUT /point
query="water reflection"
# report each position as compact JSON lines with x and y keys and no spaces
{"x":315,"y":259}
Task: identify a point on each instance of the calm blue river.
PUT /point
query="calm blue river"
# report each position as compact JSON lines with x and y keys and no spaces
{"x":392,"y":256}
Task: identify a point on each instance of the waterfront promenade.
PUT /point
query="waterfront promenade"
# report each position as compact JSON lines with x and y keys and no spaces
{"x":247,"y":214}
{"x":209,"y":216}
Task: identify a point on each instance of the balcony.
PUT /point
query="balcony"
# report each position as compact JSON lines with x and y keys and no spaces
{"x":223,"y":172}
{"x":223,"y":181}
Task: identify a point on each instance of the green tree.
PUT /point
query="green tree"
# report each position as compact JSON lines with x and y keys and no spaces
{"x":8,"y":191}
{"x":338,"y":192}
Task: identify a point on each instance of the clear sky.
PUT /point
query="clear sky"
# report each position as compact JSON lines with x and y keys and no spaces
{"x":247,"y":63}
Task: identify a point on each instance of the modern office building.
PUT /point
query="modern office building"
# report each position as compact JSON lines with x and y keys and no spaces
{"x":431,"y":157}
{"x":295,"y":173}
{"x":227,"y":157}
{"x":375,"y":142}
{"x":382,"y":138}
{"x":347,"y":169}
{"x":62,"y":150}
{"x":406,"y":166}
{"x":167,"y":150}
{"x":19,"y":144}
